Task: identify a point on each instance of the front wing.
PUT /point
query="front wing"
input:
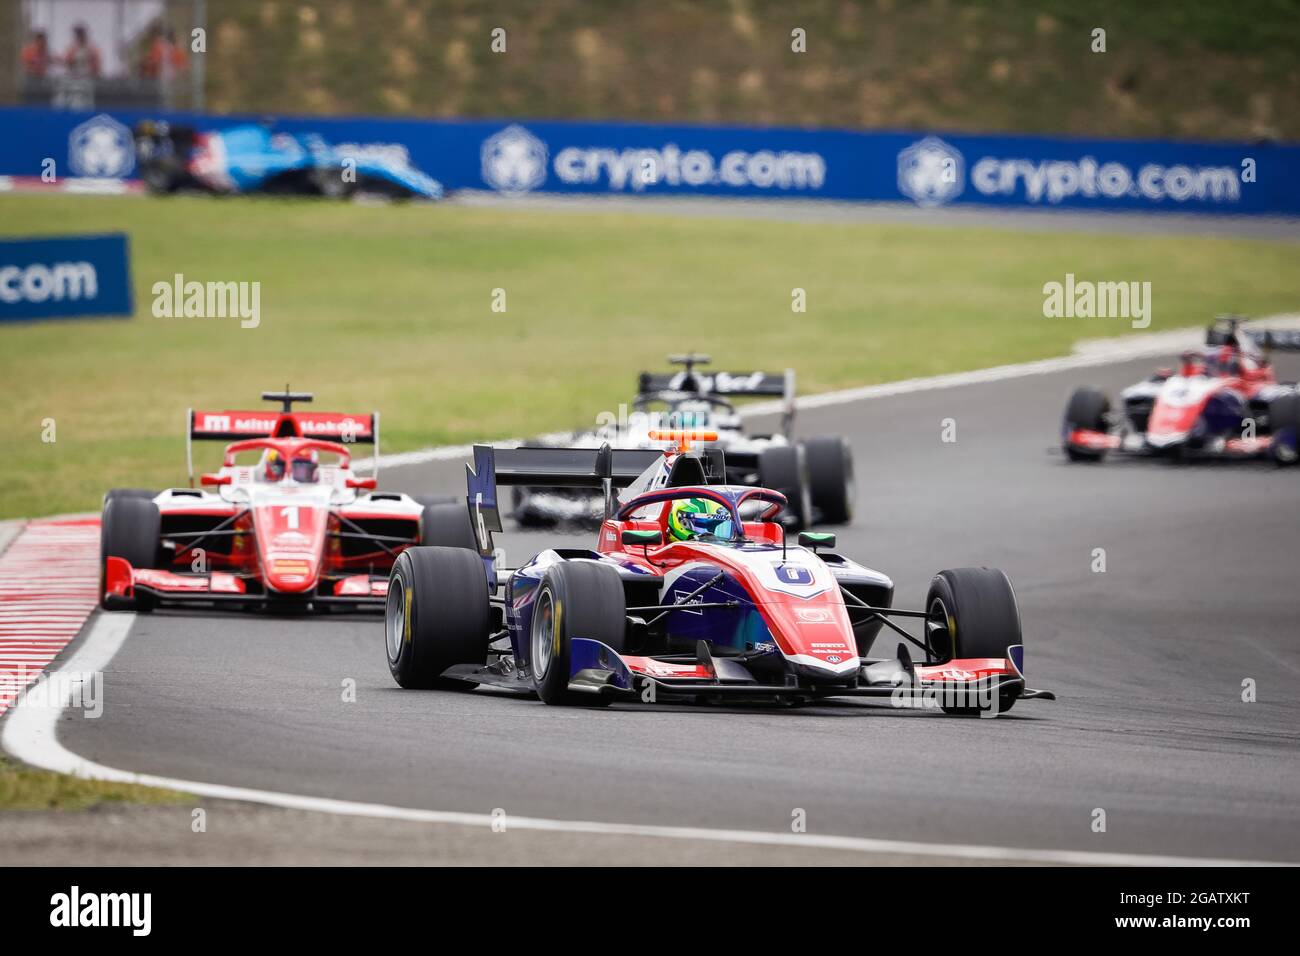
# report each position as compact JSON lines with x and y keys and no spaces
{"x":976,"y":684}
{"x":122,"y":582}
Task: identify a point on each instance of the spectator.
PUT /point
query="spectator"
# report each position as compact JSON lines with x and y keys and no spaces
{"x":82,"y":58}
{"x":36,"y":55}
{"x":163,"y":58}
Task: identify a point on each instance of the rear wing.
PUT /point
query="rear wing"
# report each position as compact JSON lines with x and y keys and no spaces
{"x":1283,"y":340}
{"x":602,"y":468}
{"x":724,"y":385}
{"x":1229,"y":329}
{"x":233,"y":424}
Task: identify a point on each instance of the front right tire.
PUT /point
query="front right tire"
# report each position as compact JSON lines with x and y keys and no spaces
{"x":130,"y":529}
{"x":1087,"y":409}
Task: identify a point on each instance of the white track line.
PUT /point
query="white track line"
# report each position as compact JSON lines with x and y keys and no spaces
{"x":1087,"y":354}
{"x":30,"y":734}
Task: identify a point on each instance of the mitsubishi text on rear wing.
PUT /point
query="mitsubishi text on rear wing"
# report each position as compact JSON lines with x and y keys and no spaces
{"x":235,"y":424}
{"x":231,"y":425}
{"x":602,"y":468}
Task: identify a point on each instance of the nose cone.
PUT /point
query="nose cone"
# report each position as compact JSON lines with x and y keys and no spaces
{"x":290,"y":542}
{"x":291,"y":575}
{"x":816,"y":637}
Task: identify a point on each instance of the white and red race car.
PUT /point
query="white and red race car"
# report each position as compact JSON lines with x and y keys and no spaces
{"x":1223,"y":401}
{"x":287,"y":524}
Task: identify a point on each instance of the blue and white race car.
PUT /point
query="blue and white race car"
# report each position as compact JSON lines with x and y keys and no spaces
{"x":255,"y":158}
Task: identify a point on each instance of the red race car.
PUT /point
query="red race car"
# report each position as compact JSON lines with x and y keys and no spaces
{"x":287,"y":524}
{"x":1225,"y":400}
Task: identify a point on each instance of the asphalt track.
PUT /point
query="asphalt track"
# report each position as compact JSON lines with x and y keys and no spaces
{"x":1148,"y":659}
{"x":788,"y":209}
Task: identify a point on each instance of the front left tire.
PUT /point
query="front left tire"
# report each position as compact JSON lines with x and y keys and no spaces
{"x":575,"y":599}
{"x":1284,"y":424}
{"x":972,"y":613}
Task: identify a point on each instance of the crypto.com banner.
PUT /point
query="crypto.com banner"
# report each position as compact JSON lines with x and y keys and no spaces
{"x":64,"y":277}
{"x":643,"y":159}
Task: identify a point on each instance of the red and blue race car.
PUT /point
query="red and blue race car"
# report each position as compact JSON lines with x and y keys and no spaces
{"x":288,"y":523}
{"x":692,"y":592}
{"x":1224,"y":401}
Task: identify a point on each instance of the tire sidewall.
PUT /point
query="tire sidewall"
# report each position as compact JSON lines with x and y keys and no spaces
{"x":443,"y":623}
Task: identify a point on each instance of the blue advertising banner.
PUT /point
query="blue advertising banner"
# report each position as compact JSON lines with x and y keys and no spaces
{"x":66,"y":277}
{"x":647,"y":159}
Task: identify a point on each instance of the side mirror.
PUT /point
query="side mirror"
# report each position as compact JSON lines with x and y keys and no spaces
{"x":368,"y":484}
{"x":642,"y":538}
{"x":816,"y":539}
{"x":214,"y":478}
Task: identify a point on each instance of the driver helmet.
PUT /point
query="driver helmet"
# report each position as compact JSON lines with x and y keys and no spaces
{"x":690,"y":415}
{"x":305,"y":466}
{"x":1229,"y":362}
{"x":273,"y":465}
{"x":692,"y":517}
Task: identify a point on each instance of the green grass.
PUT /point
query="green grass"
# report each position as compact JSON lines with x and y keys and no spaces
{"x":24,"y":788}
{"x":388,"y":307}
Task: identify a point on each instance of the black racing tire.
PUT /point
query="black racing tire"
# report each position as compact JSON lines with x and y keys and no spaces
{"x":1284,"y":416}
{"x":972,"y":612}
{"x":784,"y":468}
{"x":161,"y":177}
{"x":830,"y":478}
{"x":585,"y":599}
{"x":446,"y":524}
{"x":1087,"y":408}
{"x":130,"y":493}
{"x":331,"y":183}
{"x":436,"y":616}
{"x":129,"y":529}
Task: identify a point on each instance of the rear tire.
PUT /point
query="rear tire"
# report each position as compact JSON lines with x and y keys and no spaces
{"x":1086,"y":409}
{"x":130,"y":493}
{"x":130,"y":529}
{"x":1284,"y":422}
{"x":436,"y":616}
{"x":972,"y":612}
{"x":575,"y":599}
{"x":783,"y":468}
{"x":830,"y":478}
{"x":447,"y":525}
